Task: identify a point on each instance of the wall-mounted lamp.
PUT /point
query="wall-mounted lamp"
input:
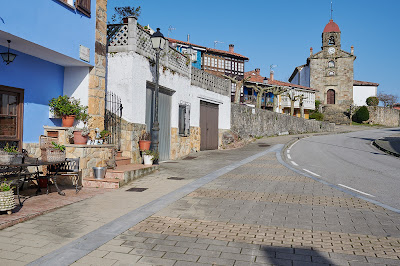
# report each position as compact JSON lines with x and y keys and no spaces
{"x":8,"y":57}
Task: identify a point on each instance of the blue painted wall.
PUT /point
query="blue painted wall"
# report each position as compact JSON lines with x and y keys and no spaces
{"x":196,"y":64}
{"x":41,"y":81}
{"x":50,"y":24}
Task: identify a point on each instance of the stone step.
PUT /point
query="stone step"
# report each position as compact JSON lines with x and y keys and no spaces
{"x":120,"y":176}
{"x":122,"y":160}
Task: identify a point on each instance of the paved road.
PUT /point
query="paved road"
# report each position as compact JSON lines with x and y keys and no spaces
{"x":351,"y":161}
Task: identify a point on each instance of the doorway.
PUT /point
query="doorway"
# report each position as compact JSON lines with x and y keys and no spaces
{"x":208,"y":126}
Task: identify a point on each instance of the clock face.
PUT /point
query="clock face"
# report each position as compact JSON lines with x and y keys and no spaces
{"x":331,"y":50}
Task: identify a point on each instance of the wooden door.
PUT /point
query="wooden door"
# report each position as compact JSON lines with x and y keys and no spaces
{"x":208,"y":126}
{"x":330,"y":97}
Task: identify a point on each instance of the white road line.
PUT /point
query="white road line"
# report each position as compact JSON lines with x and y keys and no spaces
{"x":295,"y":164}
{"x":293,"y":144}
{"x":308,"y":171}
{"x":288,"y":151}
{"x":289,"y":157}
{"x":357,"y":190}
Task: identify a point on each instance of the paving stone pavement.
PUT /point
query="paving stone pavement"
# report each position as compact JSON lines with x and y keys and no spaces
{"x":259,"y":214}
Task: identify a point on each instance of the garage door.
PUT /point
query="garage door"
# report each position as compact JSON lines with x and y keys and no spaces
{"x":208,"y":126}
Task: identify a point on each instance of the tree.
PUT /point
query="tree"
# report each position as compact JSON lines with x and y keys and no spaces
{"x":260,"y":89}
{"x":277,"y":90}
{"x":239,"y":85}
{"x":387,"y":99}
{"x":372,"y":101}
{"x":125,"y":11}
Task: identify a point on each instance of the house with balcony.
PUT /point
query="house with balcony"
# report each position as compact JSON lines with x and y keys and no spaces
{"x":194,"y":51}
{"x":284,"y":102}
{"x":59,"y":49}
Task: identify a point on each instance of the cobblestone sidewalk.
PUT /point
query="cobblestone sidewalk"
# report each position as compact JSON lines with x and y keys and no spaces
{"x":259,"y":214}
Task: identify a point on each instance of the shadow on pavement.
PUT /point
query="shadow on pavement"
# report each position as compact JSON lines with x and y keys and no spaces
{"x":293,"y":256}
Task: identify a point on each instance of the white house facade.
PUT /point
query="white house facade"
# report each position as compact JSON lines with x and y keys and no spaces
{"x":362,"y":90}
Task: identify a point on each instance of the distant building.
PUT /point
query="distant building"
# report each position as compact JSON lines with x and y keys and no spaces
{"x":331,"y":72}
{"x":284,"y":103}
{"x":362,"y":90}
{"x":196,"y":51}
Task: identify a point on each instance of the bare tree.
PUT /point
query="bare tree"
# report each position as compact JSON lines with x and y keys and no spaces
{"x":277,"y":90}
{"x":239,"y":86}
{"x":293,"y":98}
{"x":301,"y":103}
{"x":388,"y":99}
{"x":260,"y":89}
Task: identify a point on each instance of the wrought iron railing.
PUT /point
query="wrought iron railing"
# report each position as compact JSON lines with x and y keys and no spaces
{"x":113,"y":118}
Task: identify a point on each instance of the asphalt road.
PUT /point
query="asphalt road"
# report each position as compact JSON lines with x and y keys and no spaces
{"x":352,"y":163}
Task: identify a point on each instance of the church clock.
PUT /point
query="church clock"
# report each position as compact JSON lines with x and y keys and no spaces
{"x":331,"y":50}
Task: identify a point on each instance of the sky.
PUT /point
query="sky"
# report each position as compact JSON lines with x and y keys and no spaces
{"x":281,"y":32}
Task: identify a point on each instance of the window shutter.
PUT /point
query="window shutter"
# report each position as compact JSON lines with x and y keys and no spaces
{"x":83,"y":6}
{"x":187,"y":120}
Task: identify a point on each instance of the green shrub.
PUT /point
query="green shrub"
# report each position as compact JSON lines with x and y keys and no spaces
{"x":361,"y":115}
{"x":372,"y":101}
{"x":317,"y":116}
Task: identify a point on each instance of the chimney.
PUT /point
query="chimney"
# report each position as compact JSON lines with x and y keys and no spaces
{"x":257,"y":71}
{"x":231,"y":48}
{"x":311,"y":51}
{"x":188,"y":38}
{"x":352,"y":50}
{"x":271,"y":75}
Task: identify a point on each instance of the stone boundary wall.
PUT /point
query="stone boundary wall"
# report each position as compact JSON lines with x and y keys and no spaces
{"x":130,"y":133}
{"x":247,"y":124}
{"x":384,"y":116}
{"x":210,"y":82}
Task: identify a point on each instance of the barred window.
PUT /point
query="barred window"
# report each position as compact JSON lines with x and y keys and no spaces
{"x":184,"y":120}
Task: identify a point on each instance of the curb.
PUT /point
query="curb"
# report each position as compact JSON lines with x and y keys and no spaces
{"x":385,"y":150}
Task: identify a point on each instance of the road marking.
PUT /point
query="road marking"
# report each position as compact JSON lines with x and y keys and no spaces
{"x":308,"y":171}
{"x":356,"y":190}
{"x":295,"y":164}
{"x":290,"y":158}
{"x":293,"y":144}
{"x":288,"y":151}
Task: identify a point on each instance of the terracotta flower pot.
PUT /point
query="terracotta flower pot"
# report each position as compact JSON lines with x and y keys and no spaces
{"x":79,"y":139}
{"x":68,"y":120}
{"x":144,"y":145}
{"x":42,"y":182}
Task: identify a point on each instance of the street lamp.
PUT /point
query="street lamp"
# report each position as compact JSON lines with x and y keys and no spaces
{"x":8,"y":57}
{"x":158,"y":41}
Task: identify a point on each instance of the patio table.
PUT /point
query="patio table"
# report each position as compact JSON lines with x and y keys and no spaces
{"x":18,"y":171}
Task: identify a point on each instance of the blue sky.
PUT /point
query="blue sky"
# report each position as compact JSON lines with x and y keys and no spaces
{"x":281,"y":32}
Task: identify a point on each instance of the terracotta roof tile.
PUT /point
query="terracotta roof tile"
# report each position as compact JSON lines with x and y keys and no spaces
{"x":254,"y":76}
{"x":226,"y":53}
{"x":281,"y":83}
{"x":187,"y":43}
{"x":331,"y":27}
{"x":364,"y":83}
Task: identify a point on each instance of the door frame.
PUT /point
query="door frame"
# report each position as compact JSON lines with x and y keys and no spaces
{"x":20,"y":113}
{"x":204,"y":136}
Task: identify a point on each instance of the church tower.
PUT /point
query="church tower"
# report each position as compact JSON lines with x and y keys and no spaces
{"x":332,"y":69}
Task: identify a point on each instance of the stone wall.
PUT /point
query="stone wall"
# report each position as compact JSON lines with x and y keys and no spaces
{"x":90,"y":156}
{"x":247,"y":124}
{"x":181,"y":146}
{"x":130,"y":133}
{"x":97,"y":81}
{"x":384,"y":116}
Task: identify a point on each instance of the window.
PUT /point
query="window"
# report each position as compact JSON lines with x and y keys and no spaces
{"x":331,"y":40}
{"x":331,"y":73}
{"x":184,"y":119}
{"x":11,"y":110}
{"x":331,"y":64}
{"x":83,"y":6}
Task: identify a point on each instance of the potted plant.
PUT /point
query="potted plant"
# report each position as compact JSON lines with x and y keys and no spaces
{"x":149,"y":156}
{"x":144,"y":141}
{"x":67,"y":108}
{"x":104,"y":134}
{"x":7,"y":202}
{"x":55,"y":153}
{"x":80,"y":135}
{"x":10,"y":155}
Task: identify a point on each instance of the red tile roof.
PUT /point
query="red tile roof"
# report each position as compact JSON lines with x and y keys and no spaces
{"x":331,"y":27}
{"x":226,"y":53}
{"x":281,"y":83}
{"x":254,"y":76}
{"x":364,"y":83}
{"x":187,"y":43}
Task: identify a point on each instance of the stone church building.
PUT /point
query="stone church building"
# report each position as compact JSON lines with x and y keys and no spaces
{"x":331,"y":72}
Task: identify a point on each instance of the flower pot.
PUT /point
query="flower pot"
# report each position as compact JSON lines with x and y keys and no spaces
{"x":68,"y":120}
{"x":7,"y":202}
{"x":148,"y":159}
{"x":42,"y":182}
{"x":144,"y":145}
{"x":79,"y":139}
